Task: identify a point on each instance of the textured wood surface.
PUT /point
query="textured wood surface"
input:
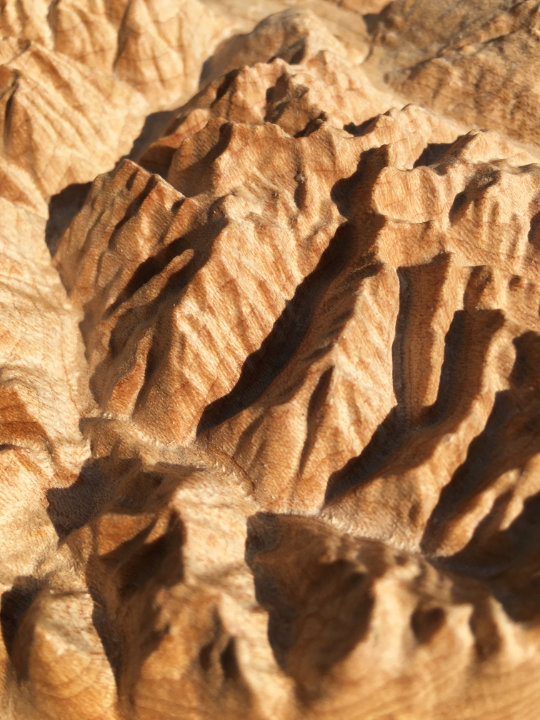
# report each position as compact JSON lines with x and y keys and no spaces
{"x":269,"y":360}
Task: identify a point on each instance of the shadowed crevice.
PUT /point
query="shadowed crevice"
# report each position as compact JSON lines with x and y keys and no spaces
{"x":533,"y":235}
{"x":123,"y":582}
{"x":466,"y":346}
{"x":426,"y":622}
{"x":385,"y":441}
{"x":200,"y":240}
{"x":372,"y":21}
{"x":195,"y":179}
{"x":400,"y":377}
{"x":13,"y":606}
{"x":509,"y":440}
{"x":148,"y":269}
{"x":62,"y":209}
{"x":155,"y":126}
{"x":506,"y":559}
{"x":307,"y":630}
{"x":353,"y":240}
{"x":312,"y":125}
{"x":475,"y":188}
{"x":352,"y":195}
{"x":300,"y":191}
{"x":71,"y":508}
{"x":316,"y":403}
{"x":225,"y":85}
{"x":432,"y":153}
{"x":363,"y":128}
{"x":265,"y":364}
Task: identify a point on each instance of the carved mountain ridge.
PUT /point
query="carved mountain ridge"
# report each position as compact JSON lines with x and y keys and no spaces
{"x":273,"y":445}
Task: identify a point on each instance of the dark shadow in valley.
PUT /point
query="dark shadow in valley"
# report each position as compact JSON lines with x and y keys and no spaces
{"x":14,"y":604}
{"x":352,"y":241}
{"x":372,"y":22}
{"x":475,"y":188}
{"x":155,"y":126}
{"x":352,"y":194}
{"x":432,"y":153}
{"x":62,"y":209}
{"x":72,"y":507}
{"x":363,"y":128}
{"x":466,"y":345}
{"x":195,"y":179}
{"x":64,"y":206}
{"x":533,"y":235}
{"x":505,"y":559}
{"x":509,"y":441}
{"x":310,"y":629}
{"x":265,"y":364}
{"x":200,"y":241}
{"x":137,"y":568}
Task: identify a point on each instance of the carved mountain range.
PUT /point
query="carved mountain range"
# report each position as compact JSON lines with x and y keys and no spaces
{"x":269,"y":360}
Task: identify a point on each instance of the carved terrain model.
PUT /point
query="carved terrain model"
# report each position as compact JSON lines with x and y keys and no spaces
{"x":270,"y":360}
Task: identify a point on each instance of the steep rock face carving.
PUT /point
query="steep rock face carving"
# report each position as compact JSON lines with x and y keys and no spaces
{"x":269,"y":391}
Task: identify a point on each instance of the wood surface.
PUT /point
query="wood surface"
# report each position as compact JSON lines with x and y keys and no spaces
{"x":269,"y":360}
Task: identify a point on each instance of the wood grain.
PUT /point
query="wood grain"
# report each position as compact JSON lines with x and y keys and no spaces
{"x":269,"y":360}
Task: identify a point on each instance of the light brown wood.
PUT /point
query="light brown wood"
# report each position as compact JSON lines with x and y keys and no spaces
{"x":269,"y":360}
